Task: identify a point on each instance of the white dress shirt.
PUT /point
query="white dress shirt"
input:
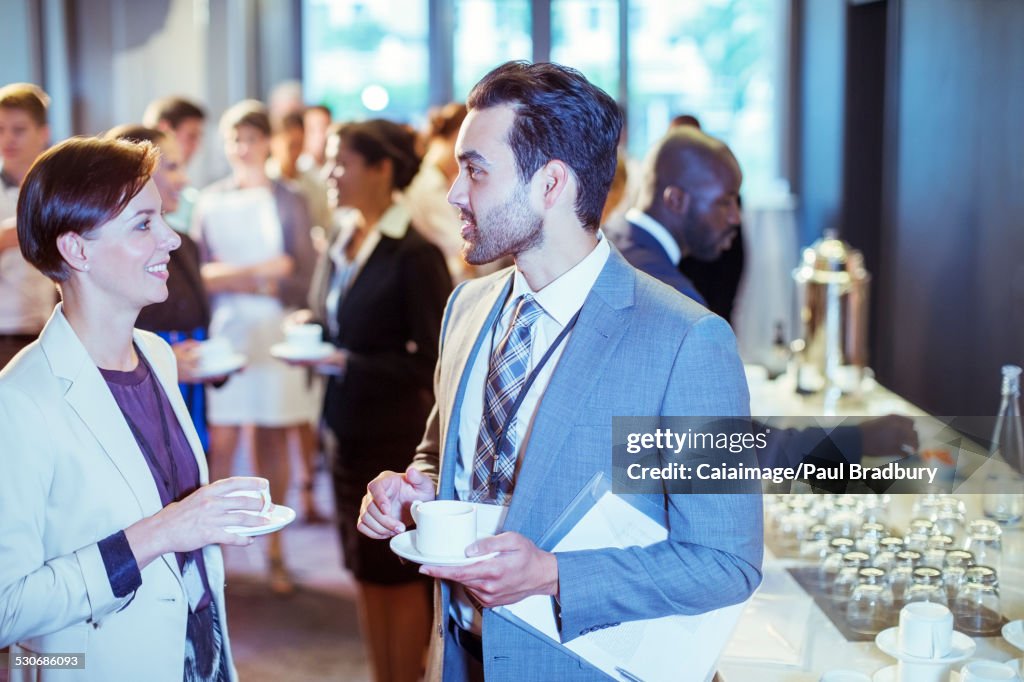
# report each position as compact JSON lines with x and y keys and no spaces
{"x":560,"y":300}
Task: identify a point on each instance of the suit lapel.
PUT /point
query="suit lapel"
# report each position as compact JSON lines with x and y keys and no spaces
{"x":602,"y":323}
{"x":463,"y":350}
{"x":90,"y":397}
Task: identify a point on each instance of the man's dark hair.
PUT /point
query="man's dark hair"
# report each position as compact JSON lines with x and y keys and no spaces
{"x":173,"y":110}
{"x":77,"y":186}
{"x":559,"y":115}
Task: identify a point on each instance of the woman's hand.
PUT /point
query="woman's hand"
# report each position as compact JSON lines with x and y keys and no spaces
{"x":197,"y":521}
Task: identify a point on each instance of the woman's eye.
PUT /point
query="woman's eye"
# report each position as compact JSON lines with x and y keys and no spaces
{"x":145,"y":225}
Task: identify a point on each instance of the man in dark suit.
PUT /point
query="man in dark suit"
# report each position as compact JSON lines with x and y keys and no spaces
{"x":534,"y":362}
{"x":688,"y":205}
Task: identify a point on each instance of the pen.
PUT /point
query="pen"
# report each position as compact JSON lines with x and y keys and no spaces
{"x":630,"y":677}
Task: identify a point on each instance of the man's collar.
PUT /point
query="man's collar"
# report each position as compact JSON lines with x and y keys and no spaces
{"x":564,"y":296}
{"x":658,"y":231}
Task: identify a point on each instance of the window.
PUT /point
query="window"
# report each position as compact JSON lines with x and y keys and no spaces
{"x":719,"y":60}
{"x":366,"y":58}
{"x":488,"y":33}
{"x":585,"y":35}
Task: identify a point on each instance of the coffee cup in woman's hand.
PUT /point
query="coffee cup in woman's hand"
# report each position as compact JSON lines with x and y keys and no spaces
{"x":260,"y":493}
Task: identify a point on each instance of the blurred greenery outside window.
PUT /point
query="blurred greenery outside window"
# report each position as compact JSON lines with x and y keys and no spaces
{"x":719,"y":60}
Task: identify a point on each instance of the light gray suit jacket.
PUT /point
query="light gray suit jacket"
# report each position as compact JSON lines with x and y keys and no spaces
{"x":638,"y":349}
{"x":73,"y":474}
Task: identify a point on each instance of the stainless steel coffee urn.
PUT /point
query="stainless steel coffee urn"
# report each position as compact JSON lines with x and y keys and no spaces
{"x":832,"y":297}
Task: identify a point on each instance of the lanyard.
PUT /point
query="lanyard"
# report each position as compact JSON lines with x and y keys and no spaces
{"x":502,"y":436}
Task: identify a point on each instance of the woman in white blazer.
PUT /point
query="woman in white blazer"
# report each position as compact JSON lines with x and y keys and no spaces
{"x":108,"y":532}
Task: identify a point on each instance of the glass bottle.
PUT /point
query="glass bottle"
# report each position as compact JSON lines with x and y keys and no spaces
{"x":1004,"y":494}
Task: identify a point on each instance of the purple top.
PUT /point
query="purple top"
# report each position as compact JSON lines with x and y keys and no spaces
{"x":171,"y":460}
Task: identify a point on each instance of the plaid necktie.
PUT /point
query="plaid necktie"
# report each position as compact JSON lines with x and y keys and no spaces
{"x":493,"y":468}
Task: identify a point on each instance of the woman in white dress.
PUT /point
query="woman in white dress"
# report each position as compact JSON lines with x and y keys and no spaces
{"x":258,"y":258}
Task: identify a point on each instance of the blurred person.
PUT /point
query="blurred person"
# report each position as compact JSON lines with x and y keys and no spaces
{"x":617,"y":192}
{"x":183,"y":320}
{"x":26,"y":296}
{"x":286,"y":143}
{"x":687,"y":206}
{"x":285,"y":98}
{"x":592,"y":338}
{"x":186,"y":122}
{"x":718,"y":280}
{"x":180,"y":117}
{"x":317,"y":119}
{"x":253,"y":236}
{"x":379,"y":293}
{"x":427,"y":196}
{"x":109,"y":533}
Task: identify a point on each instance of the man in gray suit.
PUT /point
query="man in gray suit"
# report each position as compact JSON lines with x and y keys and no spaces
{"x":534,"y":362}
{"x":688,"y":205}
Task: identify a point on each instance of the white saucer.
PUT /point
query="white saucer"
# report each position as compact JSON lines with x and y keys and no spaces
{"x":228,"y":365}
{"x":963,"y":646}
{"x":889,"y":675}
{"x":1013,"y":632}
{"x":404,"y":545}
{"x":284,"y":351}
{"x":280,"y":516}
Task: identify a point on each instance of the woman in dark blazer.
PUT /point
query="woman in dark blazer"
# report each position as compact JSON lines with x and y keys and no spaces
{"x":380,"y":292}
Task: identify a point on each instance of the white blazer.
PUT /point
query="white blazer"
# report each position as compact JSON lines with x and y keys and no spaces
{"x":73,"y":474}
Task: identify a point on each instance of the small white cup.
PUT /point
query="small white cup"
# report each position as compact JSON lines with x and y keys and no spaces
{"x":926,"y":630}
{"x":304,"y":336}
{"x":444,"y":528}
{"x":988,"y":671}
{"x":922,"y":672}
{"x":264,"y":493}
{"x":215,"y":352}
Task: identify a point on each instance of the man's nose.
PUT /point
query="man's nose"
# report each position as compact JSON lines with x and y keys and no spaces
{"x":457,"y":192}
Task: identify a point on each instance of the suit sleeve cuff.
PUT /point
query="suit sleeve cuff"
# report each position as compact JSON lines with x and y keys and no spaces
{"x":119,"y":562}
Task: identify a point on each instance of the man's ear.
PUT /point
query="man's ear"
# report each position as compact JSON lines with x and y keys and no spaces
{"x":676,"y":199}
{"x":72,"y":248}
{"x":555,"y":176}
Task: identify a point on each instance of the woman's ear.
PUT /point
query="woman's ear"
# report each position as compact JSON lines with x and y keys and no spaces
{"x":72,"y":248}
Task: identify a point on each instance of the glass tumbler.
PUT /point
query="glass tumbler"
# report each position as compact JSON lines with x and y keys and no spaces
{"x":848,"y":576}
{"x":927,"y":586}
{"x":976,"y":608}
{"x":956,"y":565}
{"x":870,"y":608}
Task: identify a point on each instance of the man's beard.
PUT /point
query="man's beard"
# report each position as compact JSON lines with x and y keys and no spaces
{"x":506,"y":230}
{"x":704,"y":243}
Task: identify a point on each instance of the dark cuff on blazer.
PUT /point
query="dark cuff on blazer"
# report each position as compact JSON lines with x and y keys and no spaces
{"x":122,"y":569}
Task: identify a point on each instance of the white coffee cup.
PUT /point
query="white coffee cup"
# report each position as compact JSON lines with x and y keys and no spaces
{"x":263,"y":493}
{"x":215,"y":352}
{"x":926,"y":630}
{"x":988,"y":671}
{"x":906,"y":671}
{"x":304,"y":336}
{"x":444,"y":528}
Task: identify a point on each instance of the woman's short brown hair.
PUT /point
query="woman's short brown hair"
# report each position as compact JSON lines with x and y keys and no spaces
{"x":248,"y":112}
{"x":77,"y":186}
